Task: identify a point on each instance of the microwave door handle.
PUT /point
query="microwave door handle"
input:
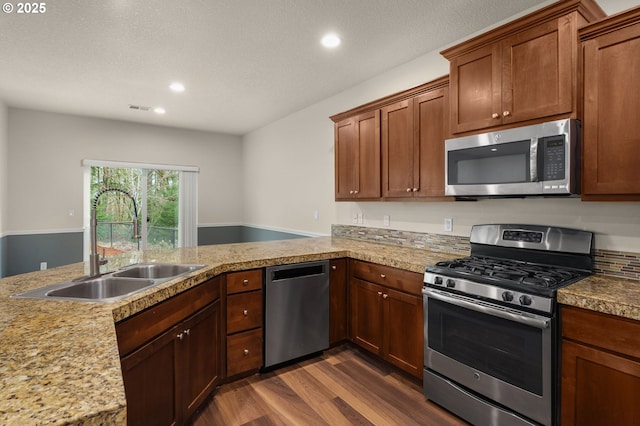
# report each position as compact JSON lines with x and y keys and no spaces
{"x":533,"y":160}
{"x":536,"y":321}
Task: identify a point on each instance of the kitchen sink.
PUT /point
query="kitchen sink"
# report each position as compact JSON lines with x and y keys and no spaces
{"x":113,"y":286}
{"x":155,"y":270}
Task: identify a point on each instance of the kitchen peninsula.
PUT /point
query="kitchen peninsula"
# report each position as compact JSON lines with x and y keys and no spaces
{"x":59,"y":360}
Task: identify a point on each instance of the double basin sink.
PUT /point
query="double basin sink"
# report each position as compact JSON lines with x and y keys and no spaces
{"x":113,"y":286}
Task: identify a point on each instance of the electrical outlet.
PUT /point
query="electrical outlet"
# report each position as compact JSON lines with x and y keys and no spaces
{"x":448,"y":224}
{"x":354,"y":219}
{"x":360,"y":219}
{"x":43,"y":266}
{"x":386,"y":220}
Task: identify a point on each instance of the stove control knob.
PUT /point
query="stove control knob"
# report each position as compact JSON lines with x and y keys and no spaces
{"x":525,"y":300}
{"x":451,"y":283}
{"x":438,"y":280}
{"x":507,"y":296}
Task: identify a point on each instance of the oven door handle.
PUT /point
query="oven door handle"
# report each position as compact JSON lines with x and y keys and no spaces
{"x":525,"y":318}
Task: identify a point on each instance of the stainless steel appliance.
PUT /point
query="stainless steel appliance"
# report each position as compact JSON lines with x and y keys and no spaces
{"x":542,"y":159}
{"x":491,"y":323}
{"x":296,"y":311}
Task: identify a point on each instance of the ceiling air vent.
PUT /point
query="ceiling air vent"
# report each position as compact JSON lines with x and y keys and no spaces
{"x":139,"y":107}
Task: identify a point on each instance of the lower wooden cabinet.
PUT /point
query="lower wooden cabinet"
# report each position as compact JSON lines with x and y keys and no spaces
{"x":600,"y":369}
{"x":338,"y":301}
{"x":386,"y":314}
{"x":244,"y":319}
{"x":167,"y":377}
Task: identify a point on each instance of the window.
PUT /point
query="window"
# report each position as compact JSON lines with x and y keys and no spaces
{"x":165,"y":203}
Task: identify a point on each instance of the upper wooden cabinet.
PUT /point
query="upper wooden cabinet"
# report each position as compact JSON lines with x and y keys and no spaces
{"x":357,"y":156}
{"x":524,"y":71}
{"x":393,"y":147}
{"x":611,"y":129}
{"x":413,"y":134}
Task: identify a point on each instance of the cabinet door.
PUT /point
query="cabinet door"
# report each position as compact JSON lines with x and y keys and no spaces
{"x":398,"y":150}
{"x":366,"y":315}
{"x":200,"y":357}
{"x":476,"y":89}
{"x":368,"y":153}
{"x":430,"y":131}
{"x":611,"y":136}
{"x":338,"y":301}
{"x":346,"y":147}
{"x":149,"y":375}
{"x":598,"y":387}
{"x":403,"y":335}
{"x":538,"y":71}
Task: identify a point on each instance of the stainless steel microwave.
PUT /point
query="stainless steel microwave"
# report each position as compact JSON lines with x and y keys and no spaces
{"x":542,"y":159}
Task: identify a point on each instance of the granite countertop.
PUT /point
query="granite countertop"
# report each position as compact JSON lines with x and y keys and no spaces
{"x":59,"y":360}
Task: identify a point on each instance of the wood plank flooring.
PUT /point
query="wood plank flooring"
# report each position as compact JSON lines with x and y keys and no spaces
{"x":342,"y":387}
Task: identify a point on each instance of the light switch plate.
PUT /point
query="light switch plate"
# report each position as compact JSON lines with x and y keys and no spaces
{"x":448,"y":224}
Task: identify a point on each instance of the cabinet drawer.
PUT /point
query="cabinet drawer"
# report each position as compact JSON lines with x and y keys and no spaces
{"x":244,"y":352}
{"x":239,"y":282}
{"x":244,"y":311}
{"x":409,"y":282}
{"x":603,"y":330}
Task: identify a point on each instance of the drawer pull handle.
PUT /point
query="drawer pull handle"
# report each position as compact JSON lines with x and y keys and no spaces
{"x":383,"y":276}
{"x":245,"y":282}
{"x":334,"y":267}
{"x":245,"y":352}
{"x":245,"y":312}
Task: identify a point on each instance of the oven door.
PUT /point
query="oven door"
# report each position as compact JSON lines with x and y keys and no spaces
{"x":491,"y":353}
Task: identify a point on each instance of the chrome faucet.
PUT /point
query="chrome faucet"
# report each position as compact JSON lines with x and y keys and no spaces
{"x":94,"y":256}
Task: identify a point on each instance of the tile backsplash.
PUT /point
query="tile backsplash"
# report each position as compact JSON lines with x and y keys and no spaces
{"x":607,"y":262}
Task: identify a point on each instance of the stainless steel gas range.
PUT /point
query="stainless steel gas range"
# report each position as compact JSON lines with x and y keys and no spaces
{"x":491,"y":323}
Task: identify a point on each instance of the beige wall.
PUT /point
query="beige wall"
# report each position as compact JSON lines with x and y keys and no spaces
{"x":4,"y":167}
{"x":289,"y":171}
{"x":45,"y":175}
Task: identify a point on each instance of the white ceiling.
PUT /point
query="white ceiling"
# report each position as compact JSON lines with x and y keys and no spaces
{"x":245,"y":63}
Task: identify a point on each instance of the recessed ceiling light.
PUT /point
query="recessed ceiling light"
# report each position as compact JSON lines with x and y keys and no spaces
{"x":331,"y":40}
{"x":177,"y":87}
{"x":159,"y":110}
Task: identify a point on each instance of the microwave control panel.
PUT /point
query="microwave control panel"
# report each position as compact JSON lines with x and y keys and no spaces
{"x":554,"y":158}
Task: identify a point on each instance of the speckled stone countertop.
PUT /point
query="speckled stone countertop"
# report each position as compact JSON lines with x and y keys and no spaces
{"x":601,"y":293}
{"x":59,"y":361}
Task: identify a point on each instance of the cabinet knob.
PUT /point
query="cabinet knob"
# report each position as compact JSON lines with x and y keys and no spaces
{"x":351,"y":192}
{"x":384,"y":296}
{"x":415,"y":189}
{"x":245,"y":352}
{"x":495,"y":115}
{"x":180,"y":336}
{"x":506,"y":113}
{"x":334,"y":267}
{"x":187,"y":331}
{"x":245,"y":312}
{"x":379,"y":293}
{"x":245,"y":282}
{"x":408,"y":189}
{"x":355,"y":192}
{"x":383,"y":276}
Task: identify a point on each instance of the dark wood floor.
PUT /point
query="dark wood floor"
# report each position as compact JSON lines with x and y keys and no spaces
{"x":343,"y":387}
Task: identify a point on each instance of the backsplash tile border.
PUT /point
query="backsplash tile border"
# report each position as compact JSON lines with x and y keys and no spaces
{"x":606,"y":262}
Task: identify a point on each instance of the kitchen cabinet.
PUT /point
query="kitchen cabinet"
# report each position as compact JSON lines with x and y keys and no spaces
{"x":600,"y":369}
{"x":357,"y":157}
{"x":523,"y":72}
{"x":244,"y":321}
{"x":413,"y":134}
{"x":611,"y":129}
{"x":386,"y":314}
{"x":170,"y":356}
{"x":338,"y":279}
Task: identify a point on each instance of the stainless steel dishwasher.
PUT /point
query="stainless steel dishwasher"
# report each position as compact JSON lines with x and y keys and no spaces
{"x":296,"y":311}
